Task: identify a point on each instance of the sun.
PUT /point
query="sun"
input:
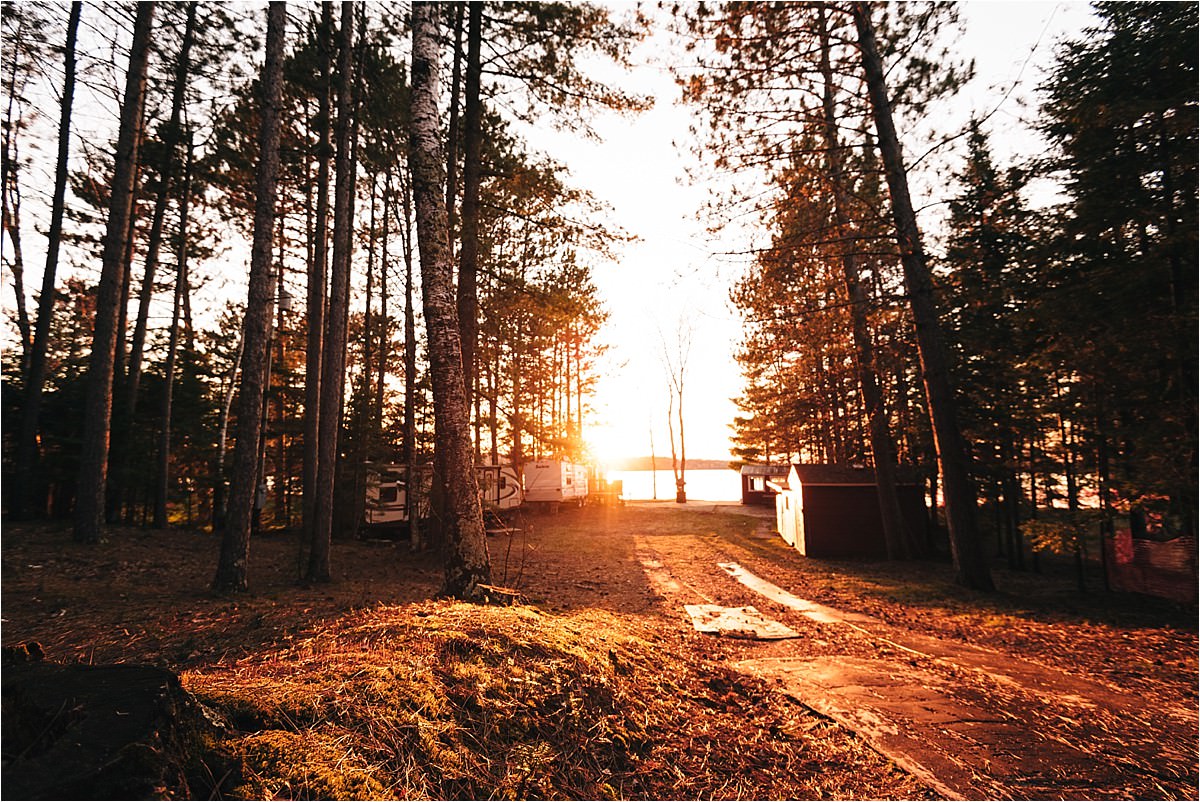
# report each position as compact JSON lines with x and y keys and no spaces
{"x":610,"y":444}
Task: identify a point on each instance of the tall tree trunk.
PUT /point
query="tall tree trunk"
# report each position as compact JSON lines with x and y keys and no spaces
{"x":467,"y":565}
{"x":452,"y":136}
{"x":882,"y":448}
{"x":409,"y":444}
{"x":468,"y":266}
{"x":137,"y":346}
{"x":12,"y":225}
{"x":119,"y":361}
{"x":93,"y":458}
{"x":517,"y":418}
{"x":235,"y":542}
{"x":333,"y":357}
{"x":384,"y":322}
{"x":366,"y":379}
{"x":578,"y":393}
{"x":219,"y":504}
{"x":113,"y":493}
{"x":316,"y":289}
{"x":27,"y":475}
{"x":277,"y":368}
{"x":969,"y":560}
{"x":365,"y":435}
{"x":162,"y":485}
{"x":10,"y":200}
{"x":189,"y":331}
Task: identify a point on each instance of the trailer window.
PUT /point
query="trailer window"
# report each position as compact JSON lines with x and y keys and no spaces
{"x":388,"y":494}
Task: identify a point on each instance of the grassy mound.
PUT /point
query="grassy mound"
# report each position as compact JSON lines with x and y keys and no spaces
{"x":447,"y":701}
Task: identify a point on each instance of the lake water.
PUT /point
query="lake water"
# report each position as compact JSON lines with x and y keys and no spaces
{"x":706,"y":485}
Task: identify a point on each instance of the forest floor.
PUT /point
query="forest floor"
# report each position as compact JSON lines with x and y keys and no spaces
{"x":898,"y":684}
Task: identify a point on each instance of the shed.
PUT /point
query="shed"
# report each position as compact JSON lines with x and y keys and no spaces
{"x":832,"y":511}
{"x":757,"y":479}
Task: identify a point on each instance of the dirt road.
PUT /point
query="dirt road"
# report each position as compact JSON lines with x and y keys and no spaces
{"x":972,"y":720}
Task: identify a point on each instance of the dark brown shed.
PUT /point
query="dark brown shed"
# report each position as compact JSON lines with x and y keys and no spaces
{"x":832,"y":512}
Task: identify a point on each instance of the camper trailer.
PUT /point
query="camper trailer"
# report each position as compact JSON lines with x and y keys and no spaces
{"x":555,"y":482}
{"x":388,"y":491}
{"x":499,"y":487}
{"x":388,"y":487}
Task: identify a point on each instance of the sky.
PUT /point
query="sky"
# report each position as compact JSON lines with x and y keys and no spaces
{"x":674,"y":272}
{"x":674,"y":275}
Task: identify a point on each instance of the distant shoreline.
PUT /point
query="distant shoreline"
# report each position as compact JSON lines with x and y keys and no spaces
{"x":664,"y":464}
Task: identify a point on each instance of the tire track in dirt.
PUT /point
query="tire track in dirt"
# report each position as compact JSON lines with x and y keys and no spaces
{"x":985,"y":724}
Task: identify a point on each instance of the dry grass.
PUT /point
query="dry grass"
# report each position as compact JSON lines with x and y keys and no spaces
{"x":448,"y":701}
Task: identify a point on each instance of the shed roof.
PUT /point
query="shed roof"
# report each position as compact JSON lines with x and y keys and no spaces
{"x":765,"y":470}
{"x":847,"y":475}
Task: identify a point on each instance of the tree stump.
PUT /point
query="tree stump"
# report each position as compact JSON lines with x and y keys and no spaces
{"x":100,"y":732}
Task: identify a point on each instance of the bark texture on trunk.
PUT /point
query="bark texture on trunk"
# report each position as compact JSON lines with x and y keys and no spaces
{"x":93,"y":458}
{"x":452,"y":137}
{"x":468,"y":266}
{"x":235,"y":541}
{"x":467,"y":565}
{"x":970,"y":563}
{"x":882,"y":448}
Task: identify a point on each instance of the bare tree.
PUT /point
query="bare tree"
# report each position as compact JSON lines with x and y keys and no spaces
{"x":675,"y":360}
{"x":93,"y":459}
{"x":467,"y":565}
{"x":235,"y":542}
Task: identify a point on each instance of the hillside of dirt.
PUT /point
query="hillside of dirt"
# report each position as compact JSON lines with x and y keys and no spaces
{"x":595,"y":685}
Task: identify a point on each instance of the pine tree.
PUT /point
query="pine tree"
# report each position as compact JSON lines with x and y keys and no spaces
{"x":333,"y":357}
{"x":969,"y":561}
{"x":89,"y":508}
{"x":467,"y":565}
{"x":232,"y":565}
{"x":26,"y":476}
{"x":1121,"y":108}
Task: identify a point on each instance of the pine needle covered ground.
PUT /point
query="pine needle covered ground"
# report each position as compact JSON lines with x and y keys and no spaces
{"x":445,"y":700}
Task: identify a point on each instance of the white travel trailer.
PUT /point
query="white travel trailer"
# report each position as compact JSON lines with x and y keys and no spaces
{"x":388,"y":488}
{"x":554,"y":482}
{"x":499,"y":487}
{"x":387,"y":495}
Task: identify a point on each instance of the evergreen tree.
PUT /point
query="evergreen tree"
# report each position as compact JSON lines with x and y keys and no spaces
{"x":93,"y":468}
{"x":990,"y":259}
{"x":232,"y":565}
{"x":1121,"y":107}
{"x":26,"y":475}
